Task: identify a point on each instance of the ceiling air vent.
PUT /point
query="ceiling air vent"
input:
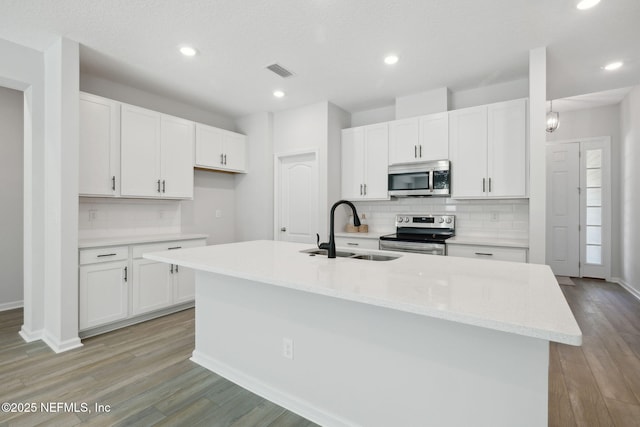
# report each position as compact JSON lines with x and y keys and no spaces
{"x":280,"y":70}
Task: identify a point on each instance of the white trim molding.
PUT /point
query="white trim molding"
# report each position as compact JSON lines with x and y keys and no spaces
{"x":11,"y":305}
{"x":633,"y":291}
{"x":30,"y":336}
{"x":60,"y":346}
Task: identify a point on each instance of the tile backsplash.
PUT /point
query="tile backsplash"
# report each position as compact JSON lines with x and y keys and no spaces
{"x":504,"y":219}
{"x":102,"y":217}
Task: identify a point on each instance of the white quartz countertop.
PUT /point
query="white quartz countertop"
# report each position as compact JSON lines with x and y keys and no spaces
{"x":133,"y":240}
{"x":518,"y":298}
{"x":488,"y":241}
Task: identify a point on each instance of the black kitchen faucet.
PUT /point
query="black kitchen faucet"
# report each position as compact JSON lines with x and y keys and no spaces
{"x":331,"y":245}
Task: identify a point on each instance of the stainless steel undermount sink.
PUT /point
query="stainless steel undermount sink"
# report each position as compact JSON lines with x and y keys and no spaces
{"x":375,"y":257}
{"x":367,"y":257}
{"x":324,"y":252}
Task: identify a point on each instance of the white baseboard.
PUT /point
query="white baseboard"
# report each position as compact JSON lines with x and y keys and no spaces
{"x":29,"y":335}
{"x":279,"y":397}
{"x":60,"y":346}
{"x":633,"y":291}
{"x":11,"y":305}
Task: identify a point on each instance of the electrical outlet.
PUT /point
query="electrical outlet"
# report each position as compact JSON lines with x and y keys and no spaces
{"x":495,"y":216}
{"x":287,"y":348}
{"x":218,"y":213}
{"x":93,"y":214}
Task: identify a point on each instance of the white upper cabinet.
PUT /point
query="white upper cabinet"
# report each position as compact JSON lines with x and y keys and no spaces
{"x":220,"y":149}
{"x":176,"y":155}
{"x":507,"y":157}
{"x":156,"y":154}
{"x":419,"y":139}
{"x":488,"y":150}
{"x":365,"y":162}
{"x":468,"y":152}
{"x":99,"y":146}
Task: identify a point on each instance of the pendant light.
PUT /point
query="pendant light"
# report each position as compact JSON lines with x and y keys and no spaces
{"x":553,"y":119}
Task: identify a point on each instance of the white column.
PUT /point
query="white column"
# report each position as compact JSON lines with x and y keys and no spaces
{"x":537,"y":164}
{"x":61,"y":195}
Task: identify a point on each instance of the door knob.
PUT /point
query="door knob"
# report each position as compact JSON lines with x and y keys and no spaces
{"x":283,"y":229}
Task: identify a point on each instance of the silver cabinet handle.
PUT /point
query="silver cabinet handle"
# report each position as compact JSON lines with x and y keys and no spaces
{"x":283,"y":229}
{"x":421,"y":151}
{"x":113,"y":183}
{"x":225,"y":159}
{"x":483,"y":186}
{"x":175,"y":247}
{"x":484,"y":253}
{"x":489,"y":185}
{"x":100,"y":256}
{"x":221,"y":159}
{"x":361,"y":189}
{"x":171,"y":268}
{"x":164,"y":186}
{"x":158,"y":186}
{"x":176,"y":268}
{"x":415,"y":151}
{"x":353,"y":244}
{"x":125,"y":273}
{"x":365,"y":189}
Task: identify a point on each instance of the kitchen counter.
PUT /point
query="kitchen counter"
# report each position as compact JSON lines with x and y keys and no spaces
{"x":347,"y":342}
{"x":133,"y":240}
{"x":369,"y":235}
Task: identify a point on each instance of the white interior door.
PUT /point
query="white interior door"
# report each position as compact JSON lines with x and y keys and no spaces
{"x":297,"y":198}
{"x":563,"y":209}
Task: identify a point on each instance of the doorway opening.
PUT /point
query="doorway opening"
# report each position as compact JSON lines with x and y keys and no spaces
{"x":579,"y":208}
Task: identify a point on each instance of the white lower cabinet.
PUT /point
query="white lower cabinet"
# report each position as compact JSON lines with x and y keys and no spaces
{"x":103,"y":293}
{"x":152,"y":286}
{"x":118,"y":285}
{"x":496,"y":253}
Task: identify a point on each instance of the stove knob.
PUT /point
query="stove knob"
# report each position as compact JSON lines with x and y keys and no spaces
{"x":448,"y":220}
{"x":400,"y":219}
{"x":440,"y":220}
{"x":406,"y":219}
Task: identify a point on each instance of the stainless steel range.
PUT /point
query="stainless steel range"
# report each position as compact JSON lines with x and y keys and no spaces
{"x":424,"y":234}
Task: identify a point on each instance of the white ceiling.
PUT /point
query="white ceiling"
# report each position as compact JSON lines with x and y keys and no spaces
{"x":590,"y":100}
{"x":334,"y":47}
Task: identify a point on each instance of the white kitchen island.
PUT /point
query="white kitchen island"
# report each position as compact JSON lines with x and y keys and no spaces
{"x":421,"y":340}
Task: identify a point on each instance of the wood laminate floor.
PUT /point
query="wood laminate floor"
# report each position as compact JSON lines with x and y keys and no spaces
{"x":143,"y":372}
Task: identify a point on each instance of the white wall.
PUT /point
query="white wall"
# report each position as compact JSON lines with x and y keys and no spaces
{"x":602,"y":121}
{"x":507,"y":91}
{"x":306,"y":128}
{"x":630,"y":194}
{"x":22,"y":68}
{"x":254,"y":190}
{"x":376,"y":115}
{"x":11,"y":194}
{"x":131,"y":95}
{"x":423,"y":103}
{"x":338,"y":119}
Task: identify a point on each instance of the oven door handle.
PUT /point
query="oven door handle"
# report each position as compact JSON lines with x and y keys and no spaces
{"x":431,"y":173}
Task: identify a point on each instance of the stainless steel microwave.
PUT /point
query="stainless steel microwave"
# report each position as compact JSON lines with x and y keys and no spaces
{"x":420,"y":179}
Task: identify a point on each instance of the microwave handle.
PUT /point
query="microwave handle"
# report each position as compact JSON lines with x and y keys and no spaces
{"x":431,"y":173}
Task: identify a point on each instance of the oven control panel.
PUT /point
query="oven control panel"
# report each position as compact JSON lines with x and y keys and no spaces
{"x":425,"y":221}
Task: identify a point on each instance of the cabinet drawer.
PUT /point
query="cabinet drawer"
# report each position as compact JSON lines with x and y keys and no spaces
{"x":488,"y":252}
{"x":354,"y":242}
{"x":139,"y":250}
{"x":95,"y":255}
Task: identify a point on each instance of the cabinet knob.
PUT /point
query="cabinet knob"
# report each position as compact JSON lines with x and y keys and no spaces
{"x":283,"y":229}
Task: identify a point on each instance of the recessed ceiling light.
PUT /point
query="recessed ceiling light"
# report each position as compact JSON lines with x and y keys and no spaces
{"x":391,"y":59}
{"x":278,"y":93}
{"x":613,"y":66}
{"x":188,"y":51}
{"x":587,"y":4}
